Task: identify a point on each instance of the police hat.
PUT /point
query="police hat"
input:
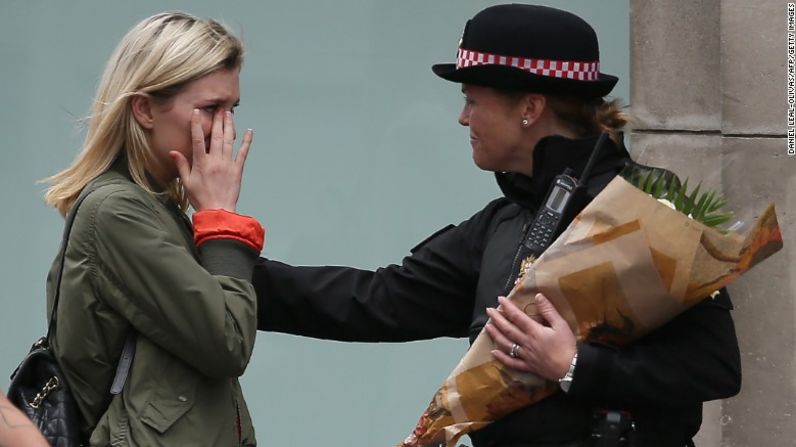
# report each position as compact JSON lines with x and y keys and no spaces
{"x":530,"y":48}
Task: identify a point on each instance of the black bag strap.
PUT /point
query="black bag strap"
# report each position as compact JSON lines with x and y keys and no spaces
{"x":70,"y":219}
{"x":126,"y":358}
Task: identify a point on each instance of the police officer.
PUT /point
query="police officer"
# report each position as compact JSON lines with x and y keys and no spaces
{"x":534,"y":105}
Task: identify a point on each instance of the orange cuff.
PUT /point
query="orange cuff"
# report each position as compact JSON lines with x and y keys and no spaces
{"x":222,"y":224}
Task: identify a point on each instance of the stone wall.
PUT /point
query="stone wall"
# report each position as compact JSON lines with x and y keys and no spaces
{"x":708,"y":89}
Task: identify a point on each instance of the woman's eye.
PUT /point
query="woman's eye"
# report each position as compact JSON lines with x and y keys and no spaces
{"x":209,"y":109}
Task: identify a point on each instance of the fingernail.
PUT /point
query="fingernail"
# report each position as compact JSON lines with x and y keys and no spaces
{"x":501,"y":299}
{"x":538,"y":298}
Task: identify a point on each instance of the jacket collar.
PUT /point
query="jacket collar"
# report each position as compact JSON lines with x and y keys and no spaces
{"x":551,"y":156}
{"x":120,"y":168}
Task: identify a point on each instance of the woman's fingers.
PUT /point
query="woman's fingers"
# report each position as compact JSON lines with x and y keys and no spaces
{"x":229,"y":135}
{"x":243,"y":152}
{"x":183,"y":167}
{"x":213,"y":179}
{"x":513,"y":363}
{"x":217,"y":135}
{"x":506,"y":328}
{"x":197,"y":136}
{"x":548,"y":312}
{"x":516,"y":316}
{"x":502,"y":342}
{"x":504,"y":346}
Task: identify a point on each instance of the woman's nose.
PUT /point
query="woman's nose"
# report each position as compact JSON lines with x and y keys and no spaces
{"x":464,"y":118}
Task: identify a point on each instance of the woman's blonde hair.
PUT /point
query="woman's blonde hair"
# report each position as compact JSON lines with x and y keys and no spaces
{"x":156,"y":58}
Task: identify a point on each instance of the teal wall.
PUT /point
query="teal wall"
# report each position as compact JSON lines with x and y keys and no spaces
{"x":357,"y":157}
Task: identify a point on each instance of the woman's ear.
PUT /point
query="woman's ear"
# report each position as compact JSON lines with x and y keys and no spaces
{"x":142,"y":111}
{"x":533,"y":106}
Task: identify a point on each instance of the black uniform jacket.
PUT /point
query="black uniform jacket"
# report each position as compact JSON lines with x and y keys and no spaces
{"x":444,"y":286}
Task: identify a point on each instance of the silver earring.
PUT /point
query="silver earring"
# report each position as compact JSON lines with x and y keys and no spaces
{"x":524,"y":123}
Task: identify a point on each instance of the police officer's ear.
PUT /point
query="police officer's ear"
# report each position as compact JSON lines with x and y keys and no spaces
{"x":533,"y":105}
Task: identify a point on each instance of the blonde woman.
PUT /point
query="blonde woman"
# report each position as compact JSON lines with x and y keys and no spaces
{"x":135,"y":264}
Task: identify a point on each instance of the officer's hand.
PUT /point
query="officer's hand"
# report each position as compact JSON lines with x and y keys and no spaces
{"x":545,"y":348}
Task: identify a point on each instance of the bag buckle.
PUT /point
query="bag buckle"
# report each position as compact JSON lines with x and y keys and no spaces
{"x":48,"y":388}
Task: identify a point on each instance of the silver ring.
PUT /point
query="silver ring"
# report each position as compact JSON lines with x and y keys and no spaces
{"x":515,"y":350}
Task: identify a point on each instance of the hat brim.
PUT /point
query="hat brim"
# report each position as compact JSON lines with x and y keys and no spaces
{"x":511,"y":78}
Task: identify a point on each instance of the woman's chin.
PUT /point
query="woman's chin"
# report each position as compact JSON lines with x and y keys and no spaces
{"x":481,"y":163}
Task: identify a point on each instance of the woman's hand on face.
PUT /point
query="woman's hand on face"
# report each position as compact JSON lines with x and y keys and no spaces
{"x":545,"y":350}
{"x":212,"y":180}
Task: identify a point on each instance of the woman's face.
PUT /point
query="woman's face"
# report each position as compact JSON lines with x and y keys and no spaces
{"x":496,"y":132}
{"x":170,"y":129}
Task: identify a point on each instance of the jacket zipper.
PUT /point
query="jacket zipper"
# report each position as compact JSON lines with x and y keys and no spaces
{"x":514,"y":264}
{"x":238,"y":425}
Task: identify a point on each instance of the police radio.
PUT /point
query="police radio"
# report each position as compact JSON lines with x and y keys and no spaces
{"x":565,"y":199}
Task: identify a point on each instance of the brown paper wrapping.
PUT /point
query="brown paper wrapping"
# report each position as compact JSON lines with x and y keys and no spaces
{"x":626,"y":265}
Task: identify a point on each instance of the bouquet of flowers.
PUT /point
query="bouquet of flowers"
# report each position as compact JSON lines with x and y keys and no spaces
{"x":639,"y":254}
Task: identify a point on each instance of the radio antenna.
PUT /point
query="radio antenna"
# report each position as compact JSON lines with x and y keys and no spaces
{"x":595,"y":153}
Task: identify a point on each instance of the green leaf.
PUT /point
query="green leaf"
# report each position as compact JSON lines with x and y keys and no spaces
{"x":679,"y":200}
{"x":672,"y":190}
{"x":699,"y":210}
{"x":717,"y":205}
{"x":717,"y":219}
{"x":660,"y":183}
{"x":691,"y":200}
{"x":702,"y":206}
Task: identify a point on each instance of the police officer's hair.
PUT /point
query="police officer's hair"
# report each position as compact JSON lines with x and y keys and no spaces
{"x":587,"y":117}
{"x":583,"y":116}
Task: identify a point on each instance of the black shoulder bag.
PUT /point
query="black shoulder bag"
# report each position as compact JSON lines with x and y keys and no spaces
{"x":38,"y":386}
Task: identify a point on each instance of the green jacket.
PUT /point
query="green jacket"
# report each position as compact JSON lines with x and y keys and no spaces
{"x":131,"y":265}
